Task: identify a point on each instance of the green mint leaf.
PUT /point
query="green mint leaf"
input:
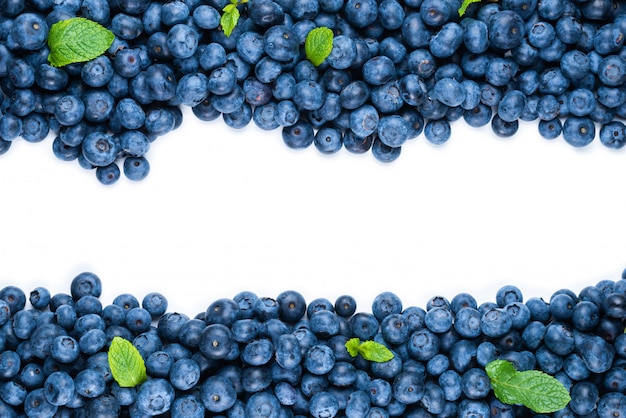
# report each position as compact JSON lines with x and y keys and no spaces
{"x":352,"y":345}
{"x":127,"y":365}
{"x":77,"y":40}
{"x":369,"y":350}
{"x":534,"y":389}
{"x":465,"y":5}
{"x":502,"y":371}
{"x":373,"y":351}
{"x":229,"y":19}
{"x":318,"y":44}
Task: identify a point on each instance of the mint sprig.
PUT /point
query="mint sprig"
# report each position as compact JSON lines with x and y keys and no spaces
{"x":126,"y":364}
{"x":318,"y":44}
{"x":534,"y":389}
{"x":77,"y":40}
{"x":230,"y":17}
{"x":369,"y":350}
{"x":465,"y":5}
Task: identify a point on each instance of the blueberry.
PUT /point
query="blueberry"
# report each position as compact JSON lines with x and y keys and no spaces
{"x":155,"y":396}
{"x":581,"y":102}
{"x":613,"y":134}
{"x":478,"y":116}
{"x":267,"y":13}
{"x":596,"y":353}
{"x":610,"y":97}
{"x":423,"y":345}
{"x":358,"y":403}
{"x":495,"y":322}
{"x":174,"y":12}
{"x":379,"y":70}
{"x":550,"y":129}
{"x":435,"y":13}
{"x":361,"y":13}
{"x":475,"y":36}
{"x":160,"y":82}
{"x":393,"y":130}
{"x":98,"y":72}
{"x":379,"y":392}
{"x":169,"y":324}
{"x":608,"y":39}
{"x":216,"y":341}
{"x":612,"y":70}
{"x":447,"y":40}
{"x":354,"y":95}
{"x":99,"y":105}
{"x":437,"y":131}
{"x":614,"y":379}
{"x":503,"y":128}
{"x":511,"y":106}
{"x":500,"y":71}
{"x":126,"y":26}
{"x":343,"y":52}
{"x":262,"y":404}
{"x":187,"y":406}
{"x":96,"y":10}
{"x":39,"y":297}
{"x":415,"y":32}
{"x":99,"y":149}
{"x":92,"y":341}
{"x":190,"y":333}
{"x":29,"y":31}
{"x":69,"y":110}
{"x":89,"y":383}
{"x":309,"y":95}
{"x":328,"y":140}
{"x":562,"y":307}
{"x":467,"y":322}
{"x":35,"y":127}
{"x":280,"y":43}
{"x":611,"y":404}
{"x":433,"y":400}
{"x":319,"y":360}
{"x":578,"y":131}
{"x":286,"y":113}
{"x":13,"y":393}
{"x":323,"y":404}
{"x":506,"y":30}
{"x":299,"y":135}
{"x":36,"y":404}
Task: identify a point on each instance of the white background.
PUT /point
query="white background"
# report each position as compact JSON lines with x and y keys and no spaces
{"x":225,"y":210}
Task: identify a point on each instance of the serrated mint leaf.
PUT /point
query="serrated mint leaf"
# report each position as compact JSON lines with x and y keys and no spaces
{"x":352,"y":345}
{"x":127,"y":365}
{"x":534,"y":389}
{"x":229,"y":19}
{"x":373,"y":351}
{"x":77,"y":40}
{"x":318,"y":44}
{"x":465,"y":5}
{"x":369,"y":350}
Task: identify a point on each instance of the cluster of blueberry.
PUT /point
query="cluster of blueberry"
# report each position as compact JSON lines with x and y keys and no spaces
{"x":262,"y":357}
{"x":396,"y":69}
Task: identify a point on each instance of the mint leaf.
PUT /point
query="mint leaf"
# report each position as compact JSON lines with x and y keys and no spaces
{"x":318,"y":44}
{"x":465,"y":5}
{"x":229,"y":19}
{"x":353,"y":346}
{"x":127,"y":365}
{"x":373,"y":351}
{"x":77,"y":40}
{"x":369,"y":350}
{"x":534,"y":389}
